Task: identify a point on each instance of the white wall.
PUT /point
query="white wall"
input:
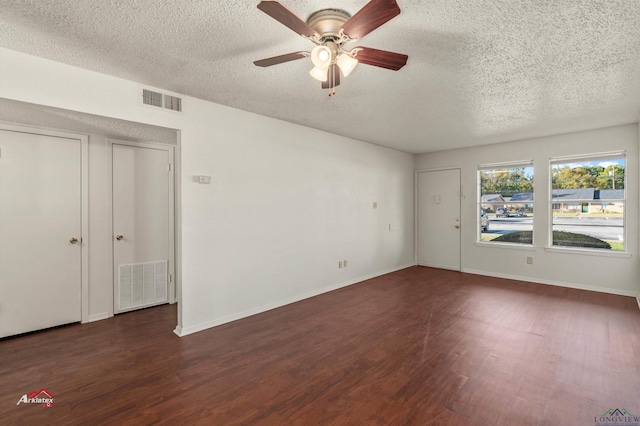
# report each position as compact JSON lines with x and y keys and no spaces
{"x":609,"y":274}
{"x":286,"y":202}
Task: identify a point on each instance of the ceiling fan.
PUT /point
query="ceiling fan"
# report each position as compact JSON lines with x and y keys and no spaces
{"x":331,"y":30}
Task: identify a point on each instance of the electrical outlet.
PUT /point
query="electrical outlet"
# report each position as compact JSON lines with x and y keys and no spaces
{"x":340,"y":265}
{"x":344,"y":263}
{"x":529,"y":260}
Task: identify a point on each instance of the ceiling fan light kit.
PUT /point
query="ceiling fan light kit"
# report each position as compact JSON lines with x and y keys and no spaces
{"x":346,"y":64}
{"x":321,"y":56}
{"x":330,"y":30}
{"x":320,"y":74}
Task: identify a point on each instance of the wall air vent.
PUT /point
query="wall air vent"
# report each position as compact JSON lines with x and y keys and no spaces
{"x":173,"y":102}
{"x":161,"y":100}
{"x":141,"y":285}
{"x":151,"y":98}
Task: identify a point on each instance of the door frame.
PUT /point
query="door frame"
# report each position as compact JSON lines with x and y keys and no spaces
{"x":415,"y":204}
{"x":172,"y":216}
{"x":84,"y":202}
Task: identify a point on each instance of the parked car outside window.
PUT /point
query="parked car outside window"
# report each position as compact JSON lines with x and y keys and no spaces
{"x":503,"y":212}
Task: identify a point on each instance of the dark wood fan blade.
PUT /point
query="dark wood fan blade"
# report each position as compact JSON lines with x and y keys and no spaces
{"x":286,"y":17}
{"x":334,"y":78}
{"x":381,"y":58}
{"x":371,"y":16}
{"x":275,"y":60}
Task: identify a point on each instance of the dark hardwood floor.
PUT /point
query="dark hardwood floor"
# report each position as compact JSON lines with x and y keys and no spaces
{"x":420,"y":346}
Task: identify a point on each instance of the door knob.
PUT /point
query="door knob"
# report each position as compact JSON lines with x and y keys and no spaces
{"x":73,"y":240}
{"x":119,"y":237}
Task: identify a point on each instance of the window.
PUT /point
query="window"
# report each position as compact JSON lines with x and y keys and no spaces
{"x":588,"y":201}
{"x":505,"y":203}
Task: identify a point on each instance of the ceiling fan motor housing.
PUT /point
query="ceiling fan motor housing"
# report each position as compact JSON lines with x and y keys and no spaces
{"x":328,"y":23}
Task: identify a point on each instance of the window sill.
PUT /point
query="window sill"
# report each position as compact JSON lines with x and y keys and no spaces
{"x":510,"y":246}
{"x":600,"y":253}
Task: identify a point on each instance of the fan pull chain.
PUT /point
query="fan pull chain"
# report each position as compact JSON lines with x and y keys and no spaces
{"x":332,"y":81}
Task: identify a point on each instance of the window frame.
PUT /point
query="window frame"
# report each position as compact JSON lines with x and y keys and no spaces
{"x":507,"y":165}
{"x":584,"y":158}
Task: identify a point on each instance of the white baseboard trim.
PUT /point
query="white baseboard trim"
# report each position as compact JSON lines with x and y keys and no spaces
{"x":98,"y":317}
{"x":433,"y":265}
{"x":598,"y":289}
{"x":184,"y":331}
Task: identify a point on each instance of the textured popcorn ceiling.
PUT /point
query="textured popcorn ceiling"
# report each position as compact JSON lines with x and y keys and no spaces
{"x":478,"y":71}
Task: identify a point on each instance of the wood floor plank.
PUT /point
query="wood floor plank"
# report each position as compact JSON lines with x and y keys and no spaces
{"x":415,"y":347}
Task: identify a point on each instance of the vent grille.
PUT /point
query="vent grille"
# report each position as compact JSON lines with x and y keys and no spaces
{"x":151,"y":98}
{"x":141,"y":285}
{"x":161,"y":100}
{"x":173,"y":103}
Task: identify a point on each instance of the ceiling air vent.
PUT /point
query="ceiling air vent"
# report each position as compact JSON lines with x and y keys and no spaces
{"x":161,"y":100}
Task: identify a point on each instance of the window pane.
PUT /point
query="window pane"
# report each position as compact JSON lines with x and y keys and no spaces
{"x":588,"y":203}
{"x":506,"y":204}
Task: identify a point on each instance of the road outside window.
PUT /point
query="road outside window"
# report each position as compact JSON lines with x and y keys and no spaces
{"x":505,"y":199}
{"x":588,"y":202}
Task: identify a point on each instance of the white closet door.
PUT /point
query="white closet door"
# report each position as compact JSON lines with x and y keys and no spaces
{"x":141,"y":226}
{"x":40,"y":231}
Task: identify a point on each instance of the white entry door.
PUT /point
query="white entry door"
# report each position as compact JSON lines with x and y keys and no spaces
{"x":40,"y":231}
{"x":142,"y":225}
{"x":439,"y":219}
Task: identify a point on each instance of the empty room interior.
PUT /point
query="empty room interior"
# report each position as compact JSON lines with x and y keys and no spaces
{"x":356,"y":212}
